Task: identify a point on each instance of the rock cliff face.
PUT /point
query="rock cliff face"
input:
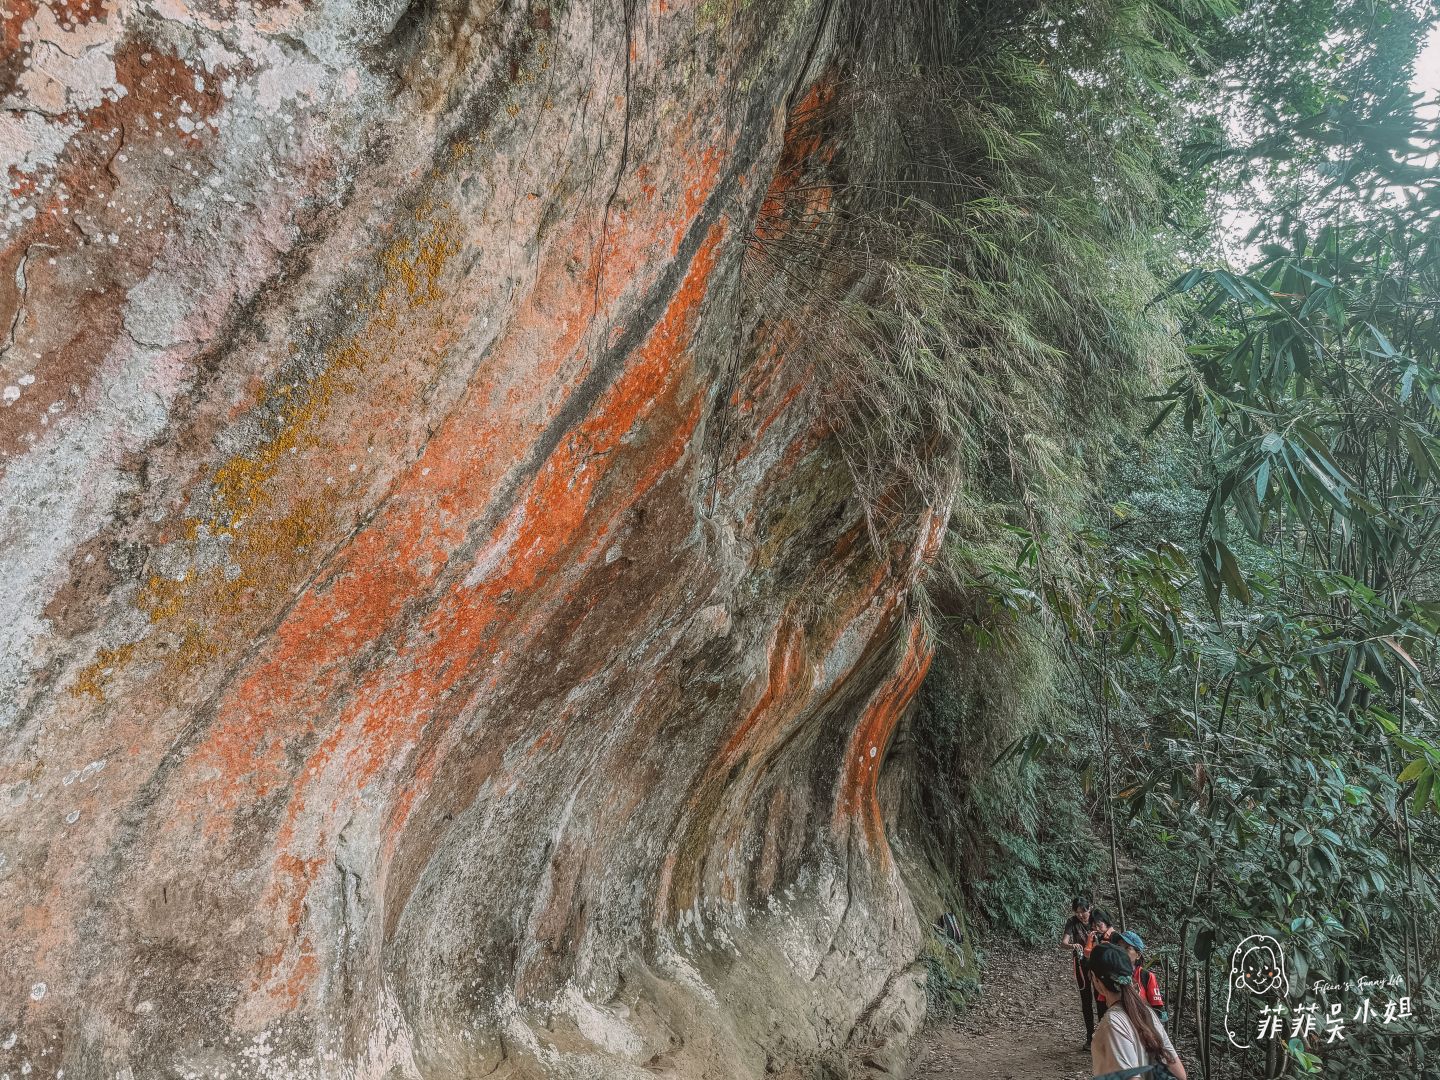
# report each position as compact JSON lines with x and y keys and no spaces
{"x":439,"y":636}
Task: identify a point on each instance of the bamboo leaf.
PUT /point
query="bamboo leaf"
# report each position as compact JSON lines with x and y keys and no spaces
{"x":1422,"y":792}
{"x":1405,"y":657}
{"x":1411,"y":771}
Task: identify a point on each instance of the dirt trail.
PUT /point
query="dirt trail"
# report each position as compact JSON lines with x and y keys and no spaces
{"x":1026,"y":1025}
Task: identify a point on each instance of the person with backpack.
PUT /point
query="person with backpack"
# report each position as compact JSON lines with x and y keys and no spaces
{"x":1129,"y":1035}
{"x":1077,"y":939}
{"x":1146,"y":984}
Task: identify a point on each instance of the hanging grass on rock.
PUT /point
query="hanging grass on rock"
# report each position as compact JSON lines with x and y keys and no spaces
{"x":965,"y":250}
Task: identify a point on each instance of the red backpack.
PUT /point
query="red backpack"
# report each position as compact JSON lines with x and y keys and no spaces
{"x":1149,"y":987}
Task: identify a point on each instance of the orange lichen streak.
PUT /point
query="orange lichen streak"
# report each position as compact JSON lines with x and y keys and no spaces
{"x":798,"y":197}
{"x":860,"y":772}
{"x":359,"y":724}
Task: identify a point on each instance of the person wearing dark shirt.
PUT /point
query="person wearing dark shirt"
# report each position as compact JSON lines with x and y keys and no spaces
{"x":1102,"y":932}
{"x":1077,"y":939}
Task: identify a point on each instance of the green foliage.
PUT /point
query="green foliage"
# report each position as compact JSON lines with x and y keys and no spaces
{"x":972,"y":278}
{"x":1229,"y":663}
{"x":1313,"y":386}
{"x":1020,"y":839}
{"x":952,"y":972}
{"x":972,"y":289}
{"x":1044,"y":852}
{"x":1247,"y":629}
{"x":1273,"y":692}
{"x":1316,"y":384}
{"x":1280,"y":812}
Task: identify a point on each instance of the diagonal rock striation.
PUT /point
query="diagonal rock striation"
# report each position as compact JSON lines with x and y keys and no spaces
{"x":441,"y":635}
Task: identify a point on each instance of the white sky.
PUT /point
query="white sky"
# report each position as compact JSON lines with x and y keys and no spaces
{"x":1427,"y":68}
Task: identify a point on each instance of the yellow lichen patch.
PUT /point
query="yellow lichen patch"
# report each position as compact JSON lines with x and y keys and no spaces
{"x":419,"y":265}
{"x":525,"y":71}
{"x":268,"y":504}
{"x":240,"y":484}
{"x":194,"y":648}
{"x":97,"y":673}
{"x":162,"y":597}
{"x":267,"y":555}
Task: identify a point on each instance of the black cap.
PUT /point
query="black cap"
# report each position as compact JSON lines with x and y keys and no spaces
{"x":1112,"y":965}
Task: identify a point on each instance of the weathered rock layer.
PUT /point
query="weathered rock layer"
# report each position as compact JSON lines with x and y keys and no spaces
{"x":440,"y":638}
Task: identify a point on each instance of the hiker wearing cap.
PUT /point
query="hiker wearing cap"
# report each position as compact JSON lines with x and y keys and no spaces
{"x":1129,"y":1035}
{"x":1146,"y":984}
{"x":1077,"y":939}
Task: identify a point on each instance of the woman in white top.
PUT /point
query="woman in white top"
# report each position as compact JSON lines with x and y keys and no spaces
{"x":1129,"y":1036}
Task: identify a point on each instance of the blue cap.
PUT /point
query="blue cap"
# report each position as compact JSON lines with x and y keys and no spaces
{"x":1131,"y":938}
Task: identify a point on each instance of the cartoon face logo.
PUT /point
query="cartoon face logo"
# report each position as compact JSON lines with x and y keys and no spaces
{"x":1258,"y":967}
